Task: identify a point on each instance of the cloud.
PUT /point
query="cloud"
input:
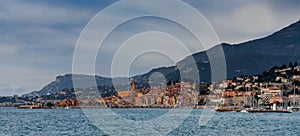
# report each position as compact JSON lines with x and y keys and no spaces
{"x":238,"y":21}
{"x":38,"y":37}
{"x":37,"y":41}
{"x":7,"y":50}
{"x":244,"y":23}
{"x":139,"y":25}
{"x":39,"y":14}
{"x":145,"y":51}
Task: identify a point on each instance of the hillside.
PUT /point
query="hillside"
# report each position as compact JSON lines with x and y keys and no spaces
{"x":252,"y":57}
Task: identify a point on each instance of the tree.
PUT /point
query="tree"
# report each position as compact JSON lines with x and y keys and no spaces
{"x":291,"y":65}
{"x":279,"y":81}
{"x":296,"y":64}
{"x":49,"y":104}
{"x":283,"y":66}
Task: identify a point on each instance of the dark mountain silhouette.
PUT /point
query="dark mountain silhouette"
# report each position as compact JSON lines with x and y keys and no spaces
{"x":252,"y":57}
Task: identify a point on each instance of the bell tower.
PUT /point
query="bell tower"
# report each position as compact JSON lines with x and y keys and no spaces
{"x":133,"y":93}
{"x":133,"y":88}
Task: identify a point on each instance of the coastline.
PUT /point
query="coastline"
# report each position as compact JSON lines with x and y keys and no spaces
{"x":105,"y":107}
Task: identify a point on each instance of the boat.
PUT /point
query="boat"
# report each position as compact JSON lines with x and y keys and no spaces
{"x":269,"y":111}
{"x":294,"y":109}
{"x":29,"y":107}
{"x":245,"y":111}
{"x":274,"y":110}
{"x":228,"y":109}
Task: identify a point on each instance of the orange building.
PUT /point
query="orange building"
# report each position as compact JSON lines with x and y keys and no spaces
{"x":124,"y":94}
{"x":229,"y":93}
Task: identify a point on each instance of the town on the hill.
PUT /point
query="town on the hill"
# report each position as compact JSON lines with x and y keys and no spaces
{"x":278,"y":85}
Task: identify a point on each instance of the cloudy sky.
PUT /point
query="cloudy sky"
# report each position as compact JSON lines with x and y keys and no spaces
{"x":38,"y":37}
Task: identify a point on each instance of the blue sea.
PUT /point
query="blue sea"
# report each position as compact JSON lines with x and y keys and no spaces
{"x":89,"y":122}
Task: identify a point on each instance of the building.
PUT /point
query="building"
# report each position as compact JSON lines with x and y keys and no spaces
{"x":271,"y":91}
{"x":294,"y":100}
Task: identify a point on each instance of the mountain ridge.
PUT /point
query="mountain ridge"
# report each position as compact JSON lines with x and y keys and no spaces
{"x":250,"y":57}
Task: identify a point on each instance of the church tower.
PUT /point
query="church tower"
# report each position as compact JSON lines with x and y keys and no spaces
{"x":133,"y":92}
{"x":133,"y":88}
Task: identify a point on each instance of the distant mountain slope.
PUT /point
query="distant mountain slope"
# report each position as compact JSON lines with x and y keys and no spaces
{"x":66,"y":82}
{"x":252,"y":57}
{"x":9,"y":90}
{"x":258,"y":55}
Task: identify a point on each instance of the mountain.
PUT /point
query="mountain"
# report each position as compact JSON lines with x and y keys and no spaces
{"x":258,"y":55}
{"x":9,"y":90}
{"x":252,"y":57}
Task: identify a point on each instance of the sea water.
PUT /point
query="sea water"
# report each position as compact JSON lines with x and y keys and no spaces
{"x":74,"y":122}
